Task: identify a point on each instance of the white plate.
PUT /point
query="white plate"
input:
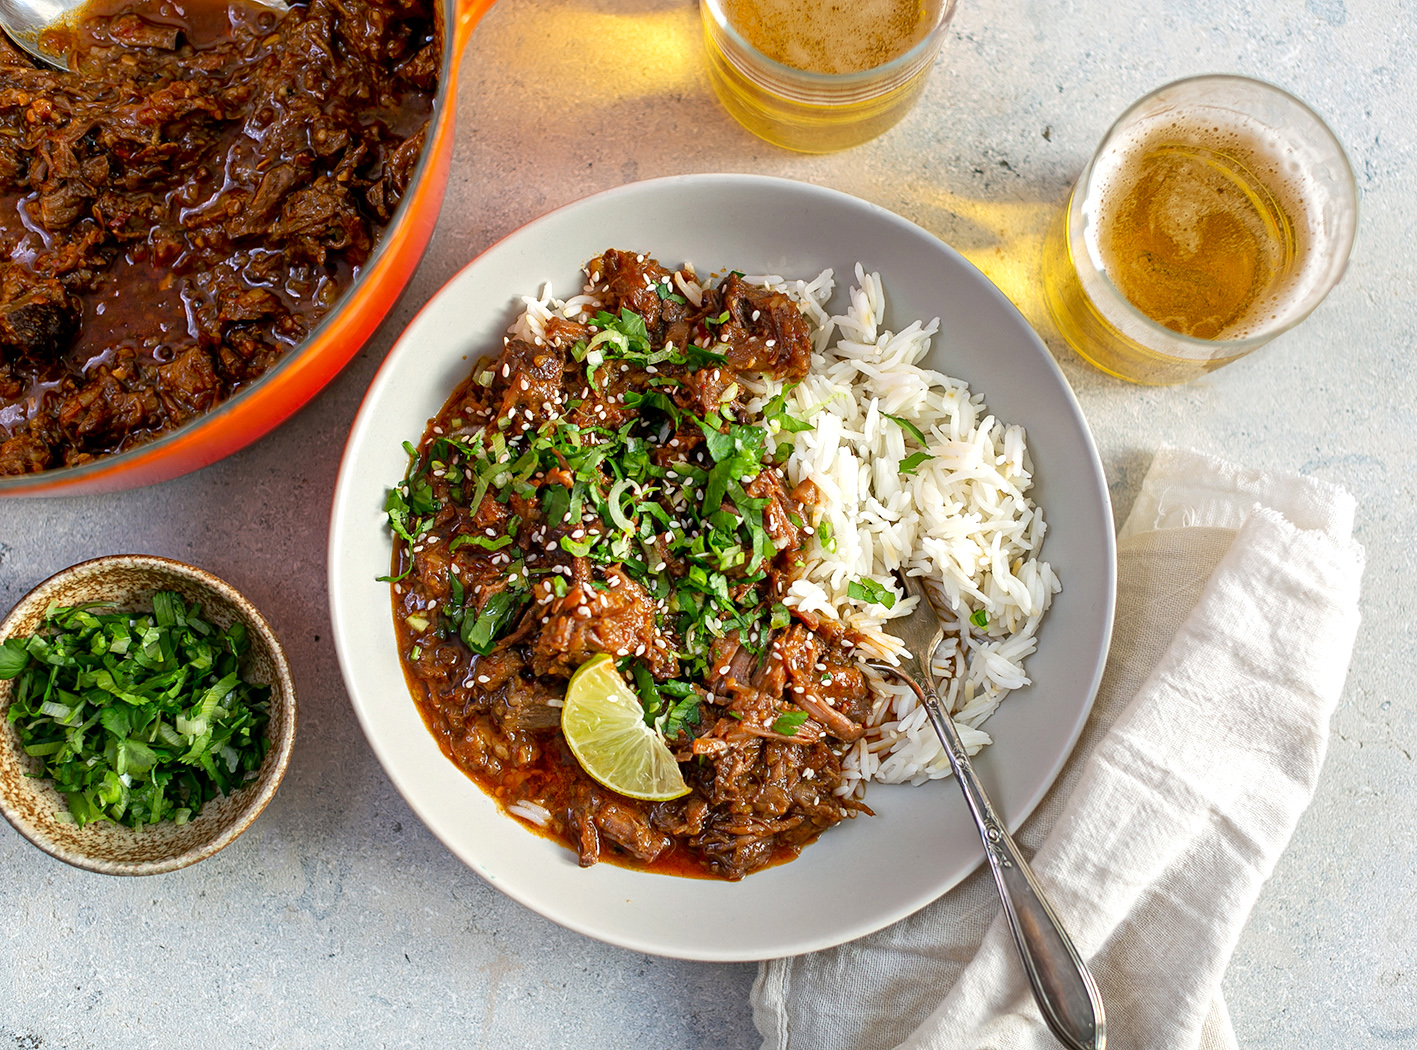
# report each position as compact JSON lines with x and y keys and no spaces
{"x":868,"y":872}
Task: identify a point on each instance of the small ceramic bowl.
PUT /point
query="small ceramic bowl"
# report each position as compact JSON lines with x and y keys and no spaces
{"x":36,"y":809}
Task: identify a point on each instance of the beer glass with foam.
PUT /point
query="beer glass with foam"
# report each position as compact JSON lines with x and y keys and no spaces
{"x":821,"y":75}
{"x":1217,"y":213}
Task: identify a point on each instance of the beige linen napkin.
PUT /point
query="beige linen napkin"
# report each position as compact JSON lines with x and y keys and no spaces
{"x":1237,"y":608}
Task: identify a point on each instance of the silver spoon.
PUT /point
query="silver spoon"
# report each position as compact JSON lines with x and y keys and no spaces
{"x":26,"y":21}
{"x":1066,"y":993}
{"x":29,"y":23}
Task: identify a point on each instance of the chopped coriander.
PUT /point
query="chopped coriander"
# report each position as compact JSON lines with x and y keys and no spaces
{"x":13,"y":657}
{"x":775,"y":411}
{"x":868,"y":590}
{"x":481,"y":631}
{"x":486,"y":542}
{"x":684,"y":711}
{"x":911,"y":463}
{"x":909,"y":427}
{"x":648,"y":692}
{"x":139,"y":717}
{"x":789,"y":722}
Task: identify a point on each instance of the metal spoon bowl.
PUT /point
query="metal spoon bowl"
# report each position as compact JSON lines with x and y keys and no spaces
{"x":37,"y":26}
{"x":27,"y":21}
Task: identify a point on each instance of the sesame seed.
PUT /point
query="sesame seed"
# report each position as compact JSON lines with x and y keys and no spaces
{"x":482,"y":679}
{"x":757,"y":314}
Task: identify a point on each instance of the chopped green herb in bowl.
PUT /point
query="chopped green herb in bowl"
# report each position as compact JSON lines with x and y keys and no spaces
{"x":139,"y":717}
{"x":148,"y":711}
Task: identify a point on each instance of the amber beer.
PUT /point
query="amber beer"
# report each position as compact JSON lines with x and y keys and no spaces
{"x":821,"y":75}
{"x":1197,"y":233}
{"x":832,"y":36}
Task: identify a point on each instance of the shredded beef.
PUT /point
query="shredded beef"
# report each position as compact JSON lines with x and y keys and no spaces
{"x":504,"y":595}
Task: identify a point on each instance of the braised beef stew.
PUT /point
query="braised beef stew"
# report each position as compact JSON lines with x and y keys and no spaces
{"x":602,"y":486}
{"x":176,"y":216}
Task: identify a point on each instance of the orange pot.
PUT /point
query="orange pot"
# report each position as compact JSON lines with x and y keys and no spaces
{"x":305,"y":370}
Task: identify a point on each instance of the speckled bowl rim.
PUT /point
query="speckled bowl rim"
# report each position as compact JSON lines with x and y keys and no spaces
{"x":281,"y":727}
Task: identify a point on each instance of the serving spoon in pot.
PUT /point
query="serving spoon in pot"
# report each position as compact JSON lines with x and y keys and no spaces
{"x":45,"y":28}
{"x":1066,"y":993}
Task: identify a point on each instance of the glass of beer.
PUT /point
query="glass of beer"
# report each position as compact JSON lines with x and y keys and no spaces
{"x":1217,"y":213}
{"x":821,"y":75}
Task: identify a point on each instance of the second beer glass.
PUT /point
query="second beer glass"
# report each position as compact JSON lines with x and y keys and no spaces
{"x":1216,"y":214}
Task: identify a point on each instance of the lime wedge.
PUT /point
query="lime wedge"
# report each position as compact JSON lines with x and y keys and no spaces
{"x":604,"y":726}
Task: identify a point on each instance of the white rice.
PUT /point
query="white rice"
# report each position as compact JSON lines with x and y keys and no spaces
{"x":528,"y":810}
{"x":963,"y":519}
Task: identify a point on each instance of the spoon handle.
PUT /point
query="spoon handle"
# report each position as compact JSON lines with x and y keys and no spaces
{"x":1066,"y":993}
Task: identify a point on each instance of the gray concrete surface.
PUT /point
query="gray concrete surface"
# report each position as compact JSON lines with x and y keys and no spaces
{"x":338,"y":921}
